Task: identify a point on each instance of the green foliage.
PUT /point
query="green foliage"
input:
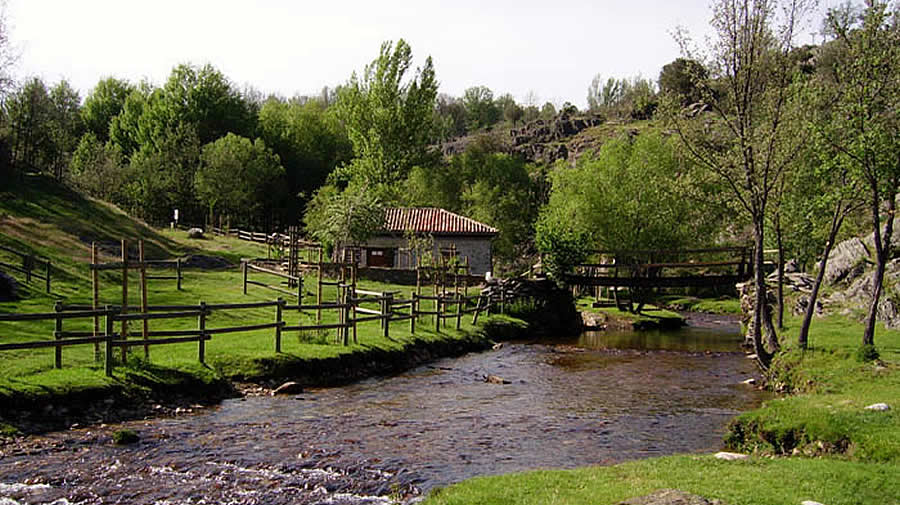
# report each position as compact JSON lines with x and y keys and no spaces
{"x":631,"y":196}
{"x":389,"y":119}
{"x":103,"y":103}
{"x":867,"y":353}
{"x":449,"y":117}
{"x":98,"y":170}
{"x":337,"y":218}
{"x":125,"y":437}
{"x":561,"y":242}
{"x":241,"y":178}
{"x":310,"y":143}
{"x":481,"y":110}
{"x":682,"y":78}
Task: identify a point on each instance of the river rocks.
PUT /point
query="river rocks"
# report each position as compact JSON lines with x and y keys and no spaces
{"x":730,"y":456}
{"x":750,"y":382}
{"x":803,"y":303}
{"x":195,"y":233}
{"x":497,"y":346}
{"x":493,"y":379}
{"x":880,"y":407}
{"x":670,"y":497}
{"x":288,"y":388}
{"x":9,"y":288}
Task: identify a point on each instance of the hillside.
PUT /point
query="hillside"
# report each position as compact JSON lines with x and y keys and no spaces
{"x":565,"y":137}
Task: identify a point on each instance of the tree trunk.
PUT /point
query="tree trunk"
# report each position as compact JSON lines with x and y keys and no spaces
{"x":882,"y":255}
{"x":779,"y":239}
{"x":763,"y":357}
{"x":836,"y":221}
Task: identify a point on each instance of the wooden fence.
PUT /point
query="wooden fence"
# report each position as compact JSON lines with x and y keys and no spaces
{"x":31,"y":265}
{"x":354,"y":308}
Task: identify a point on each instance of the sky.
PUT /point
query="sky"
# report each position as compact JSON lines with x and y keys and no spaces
{"x":546,"y":50}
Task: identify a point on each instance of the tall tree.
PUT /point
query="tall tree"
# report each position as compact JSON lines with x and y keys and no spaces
{"x":65,"y":127}
{"x":481,"y":109}
{"x":239,"y":177}
{"x":388,"y":117}
{"x":752,"y":135}
{"x":864,"y":125}
{"x":103,"y":103}
{"x":30,"y":112}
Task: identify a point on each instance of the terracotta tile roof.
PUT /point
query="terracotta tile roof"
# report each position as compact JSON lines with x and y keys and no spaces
{"x":432,"y":220}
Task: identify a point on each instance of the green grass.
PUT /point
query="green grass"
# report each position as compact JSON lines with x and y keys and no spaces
{"x":44,"y":218}
{"x":650,"y":315}
{"x":723,"y":305}
{"x":756,"y":481}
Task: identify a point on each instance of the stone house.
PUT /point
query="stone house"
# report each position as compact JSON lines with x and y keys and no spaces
{"x":452,"y":235}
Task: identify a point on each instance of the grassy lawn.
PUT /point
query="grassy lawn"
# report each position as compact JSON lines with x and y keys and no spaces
{"x":49,"y":220}
{"x":722,"y":305}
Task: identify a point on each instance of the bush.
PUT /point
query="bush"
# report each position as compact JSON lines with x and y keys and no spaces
{"x":867,"y":353}
{"x":125,"y":437}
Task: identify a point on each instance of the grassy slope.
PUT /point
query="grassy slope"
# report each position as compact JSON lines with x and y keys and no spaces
{"x":46,"y":219}
{"x":844,"y":453}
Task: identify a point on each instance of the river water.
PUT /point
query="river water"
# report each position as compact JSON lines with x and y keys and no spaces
{"x":602,"y":398}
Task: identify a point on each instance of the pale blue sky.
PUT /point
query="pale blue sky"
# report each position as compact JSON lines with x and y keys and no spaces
{"x":550,"y":47}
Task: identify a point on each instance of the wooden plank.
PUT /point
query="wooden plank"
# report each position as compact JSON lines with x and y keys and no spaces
{"x":368,"y":311}
{"x":238,"y":329}
{"x":40,"y":344}
{"x":252,"y":305}
{"x":42,"y":316}
{"x":160,"y":341}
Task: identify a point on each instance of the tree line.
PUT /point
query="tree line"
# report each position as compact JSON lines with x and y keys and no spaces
{"x":750,"y":137}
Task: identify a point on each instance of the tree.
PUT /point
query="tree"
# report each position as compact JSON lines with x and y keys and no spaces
{"x":681,"y":78}
{"x":8,"y":55}
{"x":481,"y":110}
{"x":449,"y":117}
{"x":388,"y":118}
{"x":97,"y":169}
{"x":309,"y":141}
{"x":339,"y":218}
{"x":240,"y":178}
{"x":548,"y":110}
{"x":30,"y":113}
{"x":752,"y":135}
{"x":65,"y":127}
{"x":103,"y":103}
{"x":864,"y":125}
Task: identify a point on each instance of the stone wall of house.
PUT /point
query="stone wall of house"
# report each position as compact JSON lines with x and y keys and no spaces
{"x":477,"y":249}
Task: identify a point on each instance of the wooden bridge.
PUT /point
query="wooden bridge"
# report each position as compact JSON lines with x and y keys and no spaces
{"x":649,"y":269}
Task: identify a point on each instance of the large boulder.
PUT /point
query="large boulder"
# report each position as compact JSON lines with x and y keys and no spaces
{"x":846,"y":257}
{"x":9,"y":288}
{"x":195,"y":233}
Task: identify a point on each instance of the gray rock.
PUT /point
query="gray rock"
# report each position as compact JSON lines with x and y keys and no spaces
{"x":881,"y":407}
{"x":791,"y":267}
{"x":670,"y":497}
{"x":730,"y":456}
{"x":751,"y":381}
{"x":195,"y":233}
{"x":843,"y":258}
{"x":288,"y":388}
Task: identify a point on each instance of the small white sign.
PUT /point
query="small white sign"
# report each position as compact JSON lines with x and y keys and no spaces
{"x":176,"y":214}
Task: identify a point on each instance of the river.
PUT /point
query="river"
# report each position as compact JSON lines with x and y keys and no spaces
{"x":603,"y":398}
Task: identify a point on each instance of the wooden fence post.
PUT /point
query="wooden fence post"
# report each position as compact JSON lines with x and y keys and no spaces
{"x":110,"y":334}
{"x":201,"y":327}
{"x":278,"y":314}
{"x":95,"y":297}
{"x":48,"y":277}
{"x":351,"y":299}
{"x":178,"y":273}
{"x":388,"y":310}
{"x":124,"y":335}
{"x":346,"y":312}
{"x":412,"y":312}
{"x":244,"y":272}
{"x":144,"y":328}
{"x":57,"y":334}
{"x":437,"y":317}
{"x":459,"y":303}
{"x":319,"y":289}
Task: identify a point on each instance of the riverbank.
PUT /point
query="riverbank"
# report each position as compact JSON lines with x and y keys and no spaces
{"x":143,"y":390}
{"x":819,"y":442}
